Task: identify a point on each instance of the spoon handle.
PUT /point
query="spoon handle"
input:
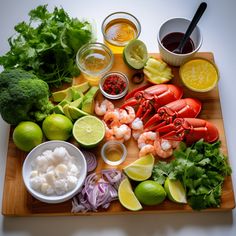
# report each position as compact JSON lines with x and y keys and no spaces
{"x":196,"y":18}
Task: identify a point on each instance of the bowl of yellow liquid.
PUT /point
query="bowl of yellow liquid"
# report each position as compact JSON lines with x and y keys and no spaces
{"x":113,"y":152}
{"x":118,"y":29}
{"x":94,"y":60}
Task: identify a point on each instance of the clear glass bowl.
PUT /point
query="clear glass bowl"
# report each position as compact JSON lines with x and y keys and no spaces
{"x":94,"y":60}
{"x":119,"y":38}
{"x":113,"y":152}
{"x":115,"y":96}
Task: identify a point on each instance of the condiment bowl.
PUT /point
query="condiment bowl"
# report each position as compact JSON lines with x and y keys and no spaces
{"x":177,"y":25}
{"x":79,"y":161}
{"x":94,"y":60}
{"x":113,"y":76}
{"x":111,"y":147}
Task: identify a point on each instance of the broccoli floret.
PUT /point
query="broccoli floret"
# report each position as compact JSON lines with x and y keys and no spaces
{"x":23,"y":97}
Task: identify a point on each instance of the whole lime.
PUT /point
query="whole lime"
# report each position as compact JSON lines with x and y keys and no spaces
{"x":57,"y":127}
{"x":150,"y":193}
{"x":27,"y":135}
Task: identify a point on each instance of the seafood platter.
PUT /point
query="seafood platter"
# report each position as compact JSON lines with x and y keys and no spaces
{"x":149,"y":135}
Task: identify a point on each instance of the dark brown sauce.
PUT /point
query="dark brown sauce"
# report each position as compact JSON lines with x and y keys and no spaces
{"x":171,"y":42}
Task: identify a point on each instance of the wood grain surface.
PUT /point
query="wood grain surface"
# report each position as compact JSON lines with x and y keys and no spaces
{"x":18,"y":202}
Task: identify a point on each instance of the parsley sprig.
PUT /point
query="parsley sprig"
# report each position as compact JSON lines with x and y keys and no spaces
{"x":201,"y":168}
{"x":47,"y":45}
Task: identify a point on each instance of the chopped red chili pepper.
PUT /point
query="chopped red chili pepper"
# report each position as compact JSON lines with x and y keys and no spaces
{"x":114,"y":85}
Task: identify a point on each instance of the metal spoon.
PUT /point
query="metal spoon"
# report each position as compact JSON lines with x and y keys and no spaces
{"x":191,"y":27}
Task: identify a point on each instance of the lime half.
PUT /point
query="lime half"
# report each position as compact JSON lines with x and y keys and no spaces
{"x":135,"y":54}
{"x":88,"y":131}
{"x":141,"y":169}
{"x":175,"y":191}
{"x":127,"y":197}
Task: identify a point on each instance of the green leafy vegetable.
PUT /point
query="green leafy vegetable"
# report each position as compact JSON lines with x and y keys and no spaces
{"x":47,"y":46}
{"x":23,"y":97}
{"x":201,"y":168}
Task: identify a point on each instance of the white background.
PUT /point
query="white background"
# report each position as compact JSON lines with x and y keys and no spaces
{"x":219,"y":36}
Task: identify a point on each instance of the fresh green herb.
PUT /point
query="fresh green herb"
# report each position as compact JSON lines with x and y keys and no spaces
{"x":201,"y":168}
{"x":47,"y":46}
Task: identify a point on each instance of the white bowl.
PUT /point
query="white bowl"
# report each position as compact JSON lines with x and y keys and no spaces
{"x":178,"y":25}
{"x":51,"y":145}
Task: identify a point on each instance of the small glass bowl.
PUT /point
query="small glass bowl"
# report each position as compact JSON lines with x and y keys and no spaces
{"x":116,"y":149}
{"x":94,"y":60}
{"x":114,"y":96}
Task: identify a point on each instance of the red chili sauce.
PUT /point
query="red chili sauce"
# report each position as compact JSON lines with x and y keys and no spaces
{"x":114,"y":85}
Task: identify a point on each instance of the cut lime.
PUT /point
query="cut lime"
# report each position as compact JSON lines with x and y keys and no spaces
{"x":199,"y":75}
{"x":175,"y":191}
{"x":135,"y":54}
{"x":127,"y":197}
{"x":88,"y":131}
{"x":150,"y":193}
{"x":141,"y":169}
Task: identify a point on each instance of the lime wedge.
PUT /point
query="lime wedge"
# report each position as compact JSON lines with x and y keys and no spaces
{"x":127,"y":197}
{"x":175,"y":191}
{"x":199,"y":75}
{"x":88,"y":131}
{"x":141,"y":169}
{"x":135,"y":54}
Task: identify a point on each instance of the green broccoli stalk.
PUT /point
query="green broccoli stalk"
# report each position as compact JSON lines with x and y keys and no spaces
{"x":23,"y":97}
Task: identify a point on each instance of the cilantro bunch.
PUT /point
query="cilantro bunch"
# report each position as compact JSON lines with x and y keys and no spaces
{"x":47,"y":45}
{"x":201,"y":168}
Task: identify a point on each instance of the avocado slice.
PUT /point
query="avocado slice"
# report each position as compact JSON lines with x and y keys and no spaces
{"x":74,"y":91}
{"x":88,"y":101}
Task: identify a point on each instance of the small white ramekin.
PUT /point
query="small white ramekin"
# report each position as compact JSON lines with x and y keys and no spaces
{"x":177,"y":25}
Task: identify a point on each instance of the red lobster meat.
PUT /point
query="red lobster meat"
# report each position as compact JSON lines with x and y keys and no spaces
{"x":190,"y":130}
{"x":151,"y":98}
{"x":182,"y":108}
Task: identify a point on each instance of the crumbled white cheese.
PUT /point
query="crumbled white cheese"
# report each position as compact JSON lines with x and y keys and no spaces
{"x":54,"y":172}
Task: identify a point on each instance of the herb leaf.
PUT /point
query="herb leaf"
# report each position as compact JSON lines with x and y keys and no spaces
{"x":47,"y":45}
{"x":201,"y":168}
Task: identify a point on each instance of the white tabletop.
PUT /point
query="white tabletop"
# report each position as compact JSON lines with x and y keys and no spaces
{"x":219,"y":33}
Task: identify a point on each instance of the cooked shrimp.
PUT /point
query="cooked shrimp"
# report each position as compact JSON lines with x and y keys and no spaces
{"x":146,"y":138}
{"x":137,"y":128}
{"x":174,"y":144}
{"x":127,"y":115}
{"x":109,"y":133}
{"x":111,"y":118}
{"x":105,"y":106}
{"x":146,"y":150}
{"x":163,"y":148}
{"x":137,"y":124}
{"x":122,"y":131}
{"x":136,"y":134}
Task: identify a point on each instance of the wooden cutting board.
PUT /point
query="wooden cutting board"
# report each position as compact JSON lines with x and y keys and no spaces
{"x":18,"y":202}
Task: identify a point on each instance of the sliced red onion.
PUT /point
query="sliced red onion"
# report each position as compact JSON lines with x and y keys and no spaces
{"x":99,"y":190}
{"x":91,"y":160}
